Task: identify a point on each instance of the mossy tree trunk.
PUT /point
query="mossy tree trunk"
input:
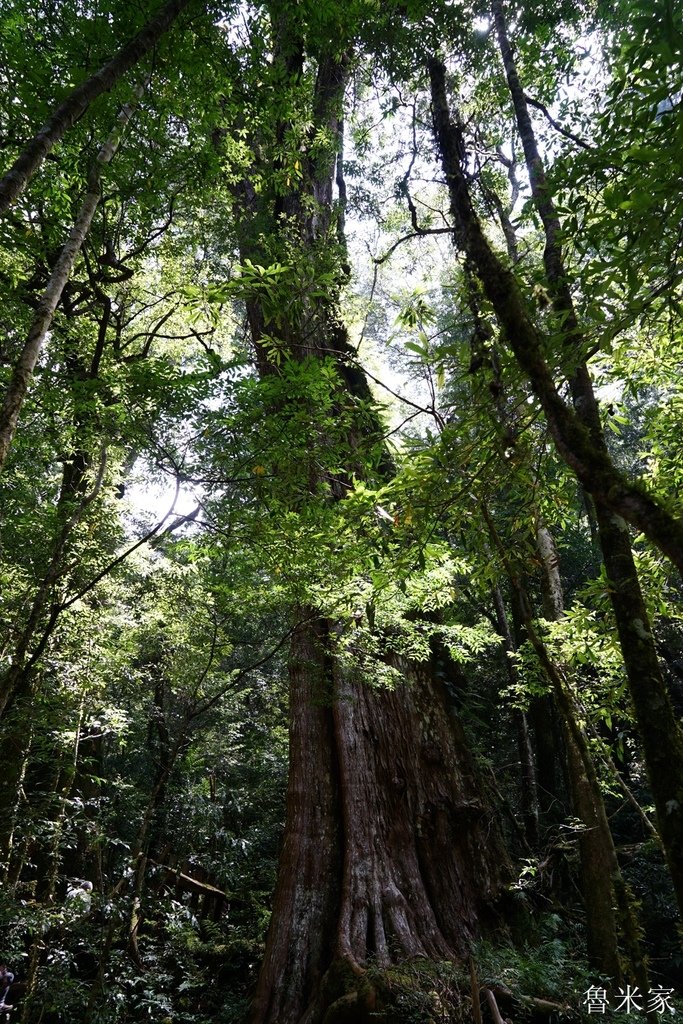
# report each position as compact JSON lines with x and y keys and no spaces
{"x":581,"y":444}
{"x":610,"y":913}
{"x":660,"y":733}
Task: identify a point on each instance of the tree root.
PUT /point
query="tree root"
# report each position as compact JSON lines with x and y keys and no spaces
{"x":425,"y":990}
{"x":542,"y":1007}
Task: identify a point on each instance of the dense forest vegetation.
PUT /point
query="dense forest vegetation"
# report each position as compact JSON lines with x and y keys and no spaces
{"x":341,"y":449}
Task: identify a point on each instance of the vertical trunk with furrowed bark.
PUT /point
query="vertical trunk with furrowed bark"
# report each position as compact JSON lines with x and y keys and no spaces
{"x":389,"y":850}
{"x":301,"y":939}
{"x":418,"y":871}
{"x":579,"y":440}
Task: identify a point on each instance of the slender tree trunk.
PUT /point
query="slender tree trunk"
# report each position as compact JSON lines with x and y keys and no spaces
{"x":135,"y":877}
{"x":608,"y":902}
{"x":599,"y":866}
{"x":551,"y":583}
{"x":163,"y":754}
{"x":551,"y":770}
{"x":595,"y":841}
{"x":661,"y":736}
{"x":18,"y":679}
{"x":599,"y":898}
{"x":47,"y":853}
{"x":610,"y":911}
{"x":593,"y":467}
{"x":551,"y":762}
{"x":660,"y":733}
{"x":67,"y":113}
{"x":25,"y":365}
{"x":15,"y":741}
{"x":530,"y":804}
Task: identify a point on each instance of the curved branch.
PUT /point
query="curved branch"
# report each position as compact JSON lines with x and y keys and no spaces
{"x":75,"y":105}
{"x":558,"y":127}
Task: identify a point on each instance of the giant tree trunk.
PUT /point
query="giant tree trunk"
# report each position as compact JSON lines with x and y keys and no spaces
{"x":389,"y":850}
{"x":301,"y":940}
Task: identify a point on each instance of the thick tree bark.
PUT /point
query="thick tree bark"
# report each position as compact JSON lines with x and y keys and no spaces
{"x":301,"y":939}
{"x":25,"y":365}
{"x":614,"y":497}
{"x":78,"y":101}
{"x":389,"y":851}
{"x":419,"y":875}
